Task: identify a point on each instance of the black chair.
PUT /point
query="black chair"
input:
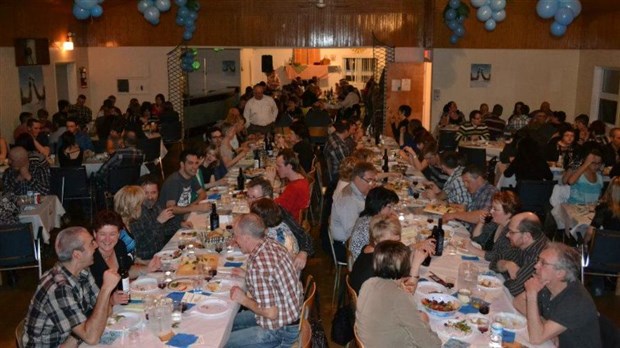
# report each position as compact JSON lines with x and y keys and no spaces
{"x":71,"y":184}
{"x":152,"y":154}
{"x":447,"y":141}
{"x":20,"y":248}
{"x":602,"y":257}
{"x":171,"y":133}
{"x":534,"y":195}
{"x":474,"y":156}
{"x":123,"y":175}
{"x":610,"y":335}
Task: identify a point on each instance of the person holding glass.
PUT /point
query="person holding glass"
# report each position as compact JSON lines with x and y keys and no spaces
{"x":586,"y":182}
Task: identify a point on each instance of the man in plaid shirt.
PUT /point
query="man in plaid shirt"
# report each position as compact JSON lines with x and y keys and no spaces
{"x":474,"y":178}
{"x":454,"y":190}
{"x":67,"y":307}
{"x":275,"y":294}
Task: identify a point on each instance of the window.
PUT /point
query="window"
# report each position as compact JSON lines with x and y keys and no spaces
{"x":359,"y":70}
{"x":606,"y":94}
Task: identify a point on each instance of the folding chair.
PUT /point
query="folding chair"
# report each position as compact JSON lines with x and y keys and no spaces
{"x":151,"y":147}
{"x":20,"y":248}
{"x":305,"y":331}
{"x":447,"y":141}
{"x":602,"y":258}
{"x":474,"y":156}
{"x":338,"y":264}
{"x":71,"y":184}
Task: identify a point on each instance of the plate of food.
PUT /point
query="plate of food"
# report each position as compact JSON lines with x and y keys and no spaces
{"x":181,"y":284}
{"x":212,"y":307}
{"x":190,"y":266}
{"x":510,"y":321}
{"x":254,"y":172}
{"x":144,"y":286}
{"x":170,"y":255}
{"x":429,"y":287}
{"x":441,"y":209}
{"x":457,"y":328}
{"x":219,"y":286}
{"x":441,"y":305}
{"x":487,"y":282}
{"x":122,"y":321}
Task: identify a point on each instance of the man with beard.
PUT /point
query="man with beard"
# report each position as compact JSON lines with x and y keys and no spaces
{"x":155,"y":225}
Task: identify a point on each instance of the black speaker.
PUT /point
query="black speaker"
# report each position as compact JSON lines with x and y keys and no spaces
{"x":266,"y":63}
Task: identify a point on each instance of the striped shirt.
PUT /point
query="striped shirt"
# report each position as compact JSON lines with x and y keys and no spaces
{"x":468,"y":130}
{"x":529,"y":258}
{"x":502,"y":250}
{"x":273,"y":282}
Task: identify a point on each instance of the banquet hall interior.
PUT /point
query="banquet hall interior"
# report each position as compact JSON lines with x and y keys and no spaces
{"x":420,"y":61}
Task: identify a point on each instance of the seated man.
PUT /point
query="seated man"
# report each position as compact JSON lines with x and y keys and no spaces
{"x":296,"y":194}
{"x":128,"y":155}
{"x":41,"y":140}
{"x":68,"y":307}
{"x":524,"y":232}
{"x":558,"y":307}
{"x":259,"y":188}
{"x":474,"y":178}
{"x":475,"y":129}
{"x":454,"y":190}
{"x":348,"y":206}
{"x":81,"y":139}
{"x":27,"y":172}
{"x":181,"y":190}
{"x":275,"y":294}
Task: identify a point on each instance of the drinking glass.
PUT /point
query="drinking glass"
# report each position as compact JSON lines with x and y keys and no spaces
{"x":177,"y":311}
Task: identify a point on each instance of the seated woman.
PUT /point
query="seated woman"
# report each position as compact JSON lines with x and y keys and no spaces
{"x":586,"y":181}
{"x":213,"y":170}
{"x":69,"y":154}
{"x":399,"y":126}
{"x":271,"y":214}
{"x":379,"y":200}
{"x":529,"y":163}
{"x":299,"y":139}
{"x":344,"y":174}
{"x":607,"y":213}
{"x":504,"y":205}
{"x":229,"y":156}
{"x":234,"y":117}
{"x":563,"y":145}
{"x":387,"y":315}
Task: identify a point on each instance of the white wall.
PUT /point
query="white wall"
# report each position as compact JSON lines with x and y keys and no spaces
{"x":531,"y":76}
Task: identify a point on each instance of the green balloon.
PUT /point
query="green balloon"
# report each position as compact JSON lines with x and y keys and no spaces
{"x":196,"y":65}
{"x":194,"y":51}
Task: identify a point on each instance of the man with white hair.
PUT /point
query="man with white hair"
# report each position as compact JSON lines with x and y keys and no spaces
{"x":68,"y":307}
{"x":260,"y":112}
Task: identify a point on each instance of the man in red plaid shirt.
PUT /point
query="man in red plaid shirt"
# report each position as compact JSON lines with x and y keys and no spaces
{"x":275,"y":294}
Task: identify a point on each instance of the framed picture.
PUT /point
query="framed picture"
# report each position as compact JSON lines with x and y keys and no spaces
{"x":480,"y":75}
{"x":32,"y":52}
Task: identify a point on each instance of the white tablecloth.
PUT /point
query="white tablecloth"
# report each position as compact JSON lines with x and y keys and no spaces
{"x":46,"y":215}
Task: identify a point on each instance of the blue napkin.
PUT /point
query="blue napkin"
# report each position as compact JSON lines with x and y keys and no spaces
{"x":182,"y":340}
{"x":214,"y":196}
{"x":454,"y":343}
{"x":233,"y":264}
{"x":109,"y":337}
{"x":178,"y":296}
{"x":468,"y":309}
{"x":470,"y":258}
{"x":508,"y":336}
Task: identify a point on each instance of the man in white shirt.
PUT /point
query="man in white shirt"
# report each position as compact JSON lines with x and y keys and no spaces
{"x":260,"y":112}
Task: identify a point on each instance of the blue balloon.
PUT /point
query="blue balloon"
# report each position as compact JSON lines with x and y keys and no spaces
{"x":490,"y":25}
{"x":459,"y":31}
{"x":452,"y":25}
{"x":162,"y":5}
{"x":484,"y":13}
{"x":547,"y":8}
{"x":143,"y":5}
{"x":454,"y":4}
{"x":192,"y":15}
{"x":454,"y":39}
{"x":497,"y":5}
{"x":558,"y":29}
{"x":180,"y":21}
{"x":151,"y":13}
{"x":183,"y":12}
{"x":180,"y":2}
{"x":478,"y":3}
{"x":80,"y":13}
{"x":187,"y":35}
{"x":196,"y":6}
{"x":96,"y":11}
{"x":154,"y":21}
{"x":499,"y":16}
{"x":190,"y":27}
{"x":450,"y":14}
{"x":86,"y":4}
{"x":574,"y":5}
{"x":460,"y":20}
{"x":564,"y":16}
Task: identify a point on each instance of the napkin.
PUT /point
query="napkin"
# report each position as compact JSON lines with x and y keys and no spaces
{"x":470,"y":258}
{"x":214,"y":196}
{"x":182,"y":340}
{"x":468,"y":309}
{"x":189,"y":298}
{"x":454,"y":343}
{"x":109,"y":337}
{"x":233,"y":264}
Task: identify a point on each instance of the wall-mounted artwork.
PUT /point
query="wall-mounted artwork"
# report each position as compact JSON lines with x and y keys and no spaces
{"x":31,"y":88}
{"x":480,"y":75}
{"x":229,"y":66}
{"x":32,"y":52}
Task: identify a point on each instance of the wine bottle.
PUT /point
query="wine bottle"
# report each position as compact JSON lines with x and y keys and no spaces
{"x":268,"y":145}
{"x":240,"y":180}
{"x":214,"y":218}
{"x":439,"y":237}
{"x":256,"y":159}
{"x":123,"y":271}
{"x":386,"y":165}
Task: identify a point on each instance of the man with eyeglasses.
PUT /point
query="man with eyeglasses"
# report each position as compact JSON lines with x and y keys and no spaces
{"x":557,"y":305}
{"x":348,"y":206}
{"x":525,"y":233}
{"x":68,"y":307}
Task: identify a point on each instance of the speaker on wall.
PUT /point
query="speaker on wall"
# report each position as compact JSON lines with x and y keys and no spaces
{"x":266,"y":63}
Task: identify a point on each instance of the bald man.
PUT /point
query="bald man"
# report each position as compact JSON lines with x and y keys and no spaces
{"x":260,"y":112}
{"x":27,"y":172}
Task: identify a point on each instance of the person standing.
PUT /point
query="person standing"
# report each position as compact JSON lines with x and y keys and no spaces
{"x":260,"y":112}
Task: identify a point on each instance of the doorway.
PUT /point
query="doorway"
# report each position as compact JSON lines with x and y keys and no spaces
{"x":66,"y":81}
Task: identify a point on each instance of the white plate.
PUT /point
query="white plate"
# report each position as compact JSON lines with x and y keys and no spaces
{"x":181,"y":284}
{"x":510,"y":321}
{"x":212,"y":307}
{"x":429,"y":287}
{"x":170,"y":255}
{"x":449,"y":331}
{"x":219,"y":286}
{"x":123,"y":320}
{"x":144,"y":286}
{"x":486,"y":282}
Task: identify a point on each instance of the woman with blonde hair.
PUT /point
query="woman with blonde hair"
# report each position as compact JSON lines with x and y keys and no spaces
{"x":213,"y":170}
{"x":235,"y":118}
{"x":607,"y":213}
{"x":345,"y":171}
{"x":229,"y":155}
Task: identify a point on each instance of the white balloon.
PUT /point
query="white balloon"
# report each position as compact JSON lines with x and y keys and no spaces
{"x":497,"y":5}
{"x":478,"y":3}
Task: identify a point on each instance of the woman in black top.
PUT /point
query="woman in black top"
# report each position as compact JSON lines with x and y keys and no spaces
{"x":299,"y":137}
{"x":529,"y":163}
{"x":69,"y":154}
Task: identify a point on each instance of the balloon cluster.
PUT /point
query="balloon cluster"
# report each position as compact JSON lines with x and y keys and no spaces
{"x":454,"y":15}
{"x":186,"y":17}
{"x":562,"y":11}
{"x":189,"y":61}
{"x":82,"y":9}
{"x":151,"y":9}
{"x":490,"y":12}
